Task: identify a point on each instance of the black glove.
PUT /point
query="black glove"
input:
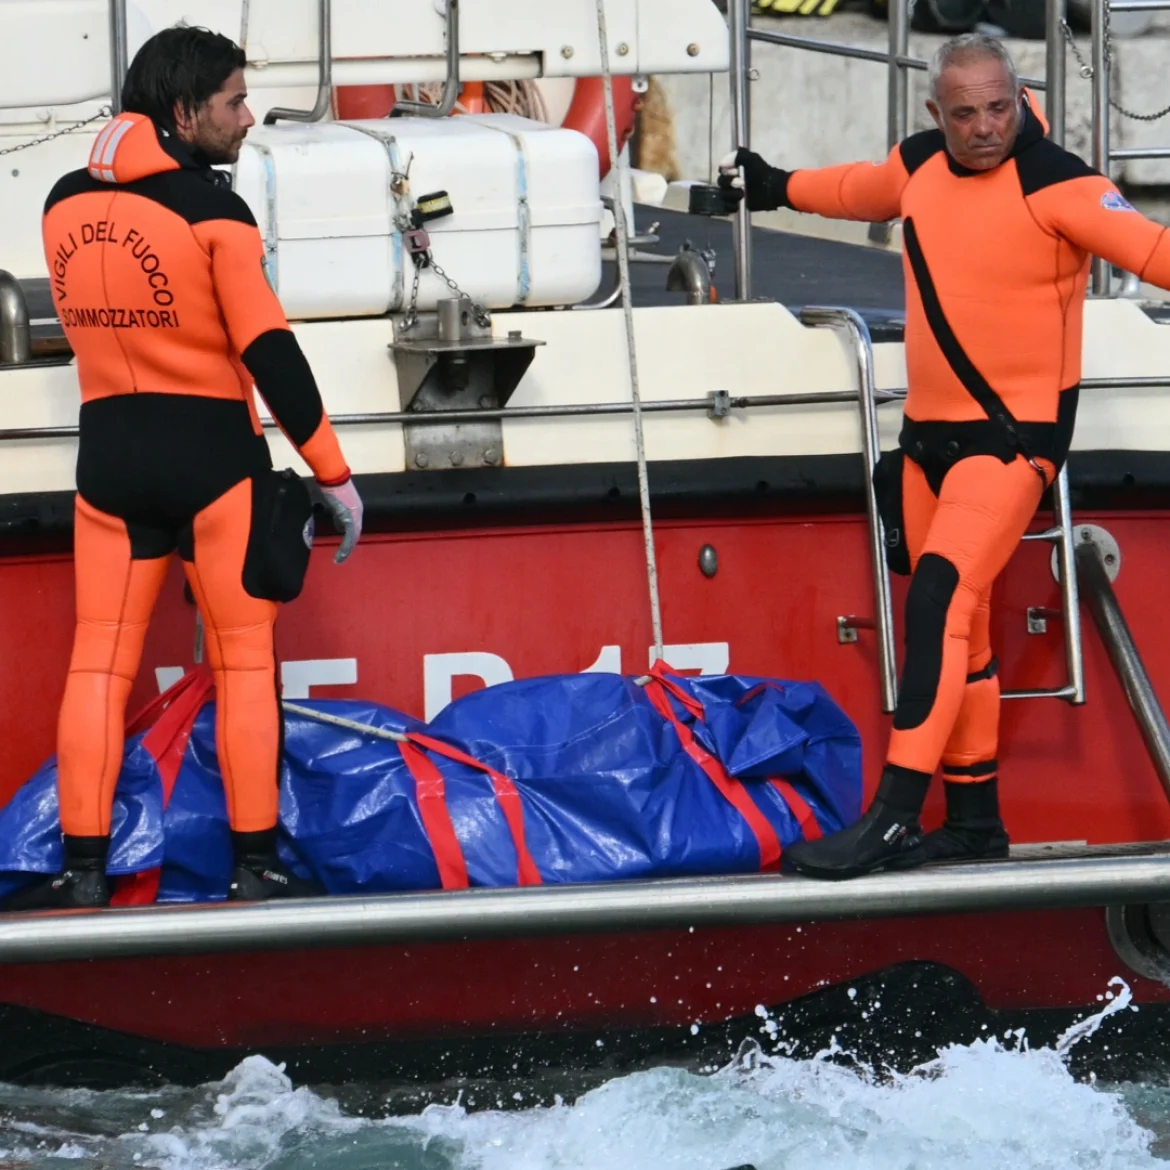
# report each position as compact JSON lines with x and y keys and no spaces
{"x":767,"y":186}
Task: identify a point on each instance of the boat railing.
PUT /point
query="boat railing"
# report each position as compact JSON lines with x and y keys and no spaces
{"x":900,"y":63}
{"x":1041,"y":879}
{"x":857,"y":333}
{"x":324,"y":72}
{"x":119,"y":53}
{"x":15,"y":332}
{"x":1097,"y":575}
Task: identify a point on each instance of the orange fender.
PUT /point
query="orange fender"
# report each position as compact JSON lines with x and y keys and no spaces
{"x":587,"y":114}
{"x":353,"y":103}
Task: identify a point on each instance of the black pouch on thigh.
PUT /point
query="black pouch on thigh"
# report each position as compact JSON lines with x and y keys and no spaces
{"x":281,"y":537}
{"x":887,"y":487}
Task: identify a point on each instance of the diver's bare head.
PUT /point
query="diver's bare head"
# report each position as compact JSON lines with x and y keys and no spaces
{"x":976,"y":100}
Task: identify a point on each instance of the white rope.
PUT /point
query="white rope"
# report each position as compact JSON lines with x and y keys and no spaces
{"x":623,"y":258}
{"x":348,"y":724}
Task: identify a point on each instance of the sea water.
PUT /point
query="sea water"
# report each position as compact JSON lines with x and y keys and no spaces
{"x":996,"y":1103}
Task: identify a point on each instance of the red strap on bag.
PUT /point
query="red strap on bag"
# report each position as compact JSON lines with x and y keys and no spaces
{"x":199,"y":677}
{"x":809,"y":826}
{"x":436,"y":818}
{"x":509,"y":800}
{"x":663,"y":673}
{"x":732,"y":790}
{"x":166,"y":741}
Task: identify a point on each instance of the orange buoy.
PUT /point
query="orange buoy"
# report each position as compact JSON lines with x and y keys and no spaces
{"x":586,"y":113}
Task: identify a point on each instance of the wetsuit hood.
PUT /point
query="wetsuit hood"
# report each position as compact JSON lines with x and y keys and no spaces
{"x":131,"y":147}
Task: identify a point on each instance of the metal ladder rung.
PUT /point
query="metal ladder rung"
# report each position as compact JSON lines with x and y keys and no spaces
{"x":1065,"y":692}
{"x":1060,"y":535}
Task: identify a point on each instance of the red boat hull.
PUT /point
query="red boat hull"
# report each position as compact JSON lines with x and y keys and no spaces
{"x":548,"y":599}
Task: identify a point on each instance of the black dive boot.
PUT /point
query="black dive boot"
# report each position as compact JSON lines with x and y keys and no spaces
{"x":80,"y":885}
{"x":973,"y":830}
{"x":888,"y":833}
{"x":259,"y":873}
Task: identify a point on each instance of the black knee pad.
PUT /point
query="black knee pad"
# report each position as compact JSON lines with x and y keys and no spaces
{"x":932,"y":588}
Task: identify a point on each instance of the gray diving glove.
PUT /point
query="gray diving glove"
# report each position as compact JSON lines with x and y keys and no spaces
{"x":345,"y":507}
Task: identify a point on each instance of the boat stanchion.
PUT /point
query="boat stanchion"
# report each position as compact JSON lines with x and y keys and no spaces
{"x":854,"y":328}
{"x":324,"y":74}
{"x":15,"y":335}
{"x":1139,"y":931}
{"x":1094,"y":575}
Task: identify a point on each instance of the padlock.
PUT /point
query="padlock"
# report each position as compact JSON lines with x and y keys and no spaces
{"x":433,"y":206}
{"x":418,"y":243}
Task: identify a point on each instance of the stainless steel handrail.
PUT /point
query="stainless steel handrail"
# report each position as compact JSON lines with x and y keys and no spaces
{"x":1127,"y":662}
{"x":853,"y":325}
{"x":450,"y":93}
{"x":854,"y":52}
{"x":739,"y":21}
{"x":1055,"y":64}
{"x":542,"y":911}
{"x":15,"y":336}
{"x":496,"y":414}
{"x":119,"y":54}
{"x":1102,"y":274}
{"x":897,"y":80}
{"x":1136,"y":153}
{"x":1070,"y":597}
{"x":1156,"y":382}
{"x":324,"y":73}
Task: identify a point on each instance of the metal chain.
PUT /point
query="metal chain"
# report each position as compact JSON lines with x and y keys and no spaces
{"x":427,"y":258}
{"x":1086,"y":71}
{"x":481,"y":314}
{"x":411,"y":318}
{"x":104,"y":112}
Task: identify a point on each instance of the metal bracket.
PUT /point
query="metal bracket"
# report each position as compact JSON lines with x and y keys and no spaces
{"x":848,"y":626}
{"x":720,"y":404}
{"x":457,"y":365}
{"x":1038,"y":618}
{"x":1093,"y":534}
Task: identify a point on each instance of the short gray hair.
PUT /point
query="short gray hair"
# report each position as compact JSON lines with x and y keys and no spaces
{"x":972,"y":44}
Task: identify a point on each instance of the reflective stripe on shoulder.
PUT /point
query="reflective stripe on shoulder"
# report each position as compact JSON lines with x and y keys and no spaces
{"x":101,"y":158}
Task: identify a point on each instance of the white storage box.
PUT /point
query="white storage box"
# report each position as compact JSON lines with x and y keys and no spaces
{"x":525,"y":228}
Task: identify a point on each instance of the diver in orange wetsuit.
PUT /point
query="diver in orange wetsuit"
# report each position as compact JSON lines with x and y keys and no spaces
{"x":159,"y":279}
{"x":999,"y":224}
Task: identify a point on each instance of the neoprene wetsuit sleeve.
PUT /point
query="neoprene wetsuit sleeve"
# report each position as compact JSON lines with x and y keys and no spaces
{"x":261,"y":335}
{"x":871,"y":192}
{"x":1091,"y":213}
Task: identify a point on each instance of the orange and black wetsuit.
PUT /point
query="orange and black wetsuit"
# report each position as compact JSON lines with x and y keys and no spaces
{"x":996,"y":266}
{"x":159,"y":280}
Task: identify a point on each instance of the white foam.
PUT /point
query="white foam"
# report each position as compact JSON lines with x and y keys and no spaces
{"x":980,"y":1107}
